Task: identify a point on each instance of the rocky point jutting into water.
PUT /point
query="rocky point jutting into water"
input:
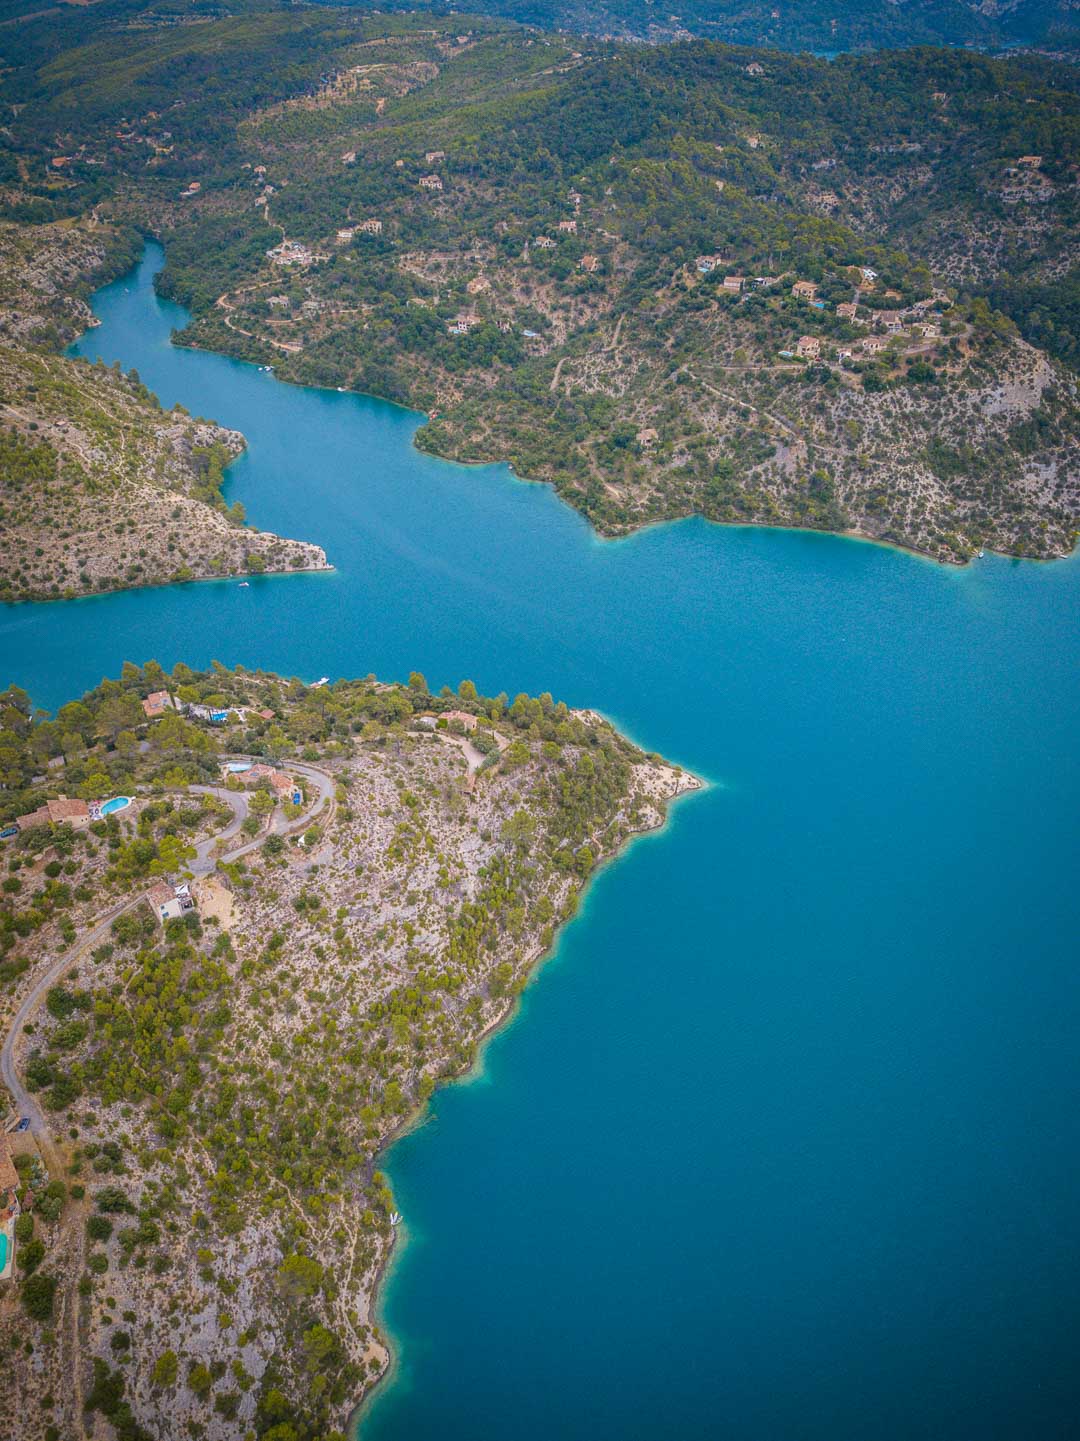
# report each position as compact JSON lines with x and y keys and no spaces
{"x":225,"y":990}
{"x":100,"y":488}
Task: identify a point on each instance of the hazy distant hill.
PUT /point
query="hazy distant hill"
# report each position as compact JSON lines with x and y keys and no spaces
{"x":820,"y":25}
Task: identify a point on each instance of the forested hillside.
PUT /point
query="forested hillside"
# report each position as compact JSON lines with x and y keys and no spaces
{"x":818,"y":25}
{"x":669,"y":279}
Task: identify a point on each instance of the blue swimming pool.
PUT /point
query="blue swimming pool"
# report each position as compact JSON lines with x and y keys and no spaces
{"x":3,"y":1251}
{"x":117,"y":803}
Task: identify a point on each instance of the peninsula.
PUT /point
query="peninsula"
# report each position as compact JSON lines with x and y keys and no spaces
{"x":248,"y":925}
{"x":100,"y":488}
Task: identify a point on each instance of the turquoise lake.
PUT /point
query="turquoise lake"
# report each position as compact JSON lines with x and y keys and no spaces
{"x":785,"y":1140}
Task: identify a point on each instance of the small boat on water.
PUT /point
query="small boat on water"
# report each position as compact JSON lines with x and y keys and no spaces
{"x":395,"y":1219}
{"x":244,"y":584}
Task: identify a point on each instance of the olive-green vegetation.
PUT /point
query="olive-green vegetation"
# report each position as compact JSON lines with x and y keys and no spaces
{"x":505,"y":229}
{"x":101,"y":489}
{"x":822,"y":25}
{"x":227,"y":1090}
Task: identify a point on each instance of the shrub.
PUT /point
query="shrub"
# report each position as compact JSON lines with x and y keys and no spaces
{"x":38,"y":1291}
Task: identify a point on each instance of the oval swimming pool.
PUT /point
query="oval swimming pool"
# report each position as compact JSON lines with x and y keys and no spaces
{"x":116,"y":803}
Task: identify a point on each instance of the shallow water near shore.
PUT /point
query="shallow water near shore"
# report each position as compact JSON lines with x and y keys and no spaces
{"x":785,"y":1139}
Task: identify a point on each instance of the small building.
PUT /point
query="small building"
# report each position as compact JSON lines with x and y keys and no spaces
{"x":158,"y":701}
{"x":759,"y":282}
{"x":568,"y":227}
{"x":463,"y":717}
{"x":59,"y":162}
{"x":259,"y":170}
{"x":266,"y":715}
{"x":345,"y":234}
{"x":706,"y":264}
{"x":574,"y":197}
{"x":890,"y":320}
{"x":430,"y":182}
{"x":734,"y":283}
{"x":58,"y":812}
{"x":371,"y":226}
{"x":1030,"y":162}
{"x":804,"y":290}
{"x":169,"y":903}
{"x":847,"y":311}
{"x":464,"y":322}
{"x":349,"y":158}
{"x":809,"y":347}
{"x":929,"y":331}
{"x":874,"y":344}
{"x":867,"y":274}
{"x":433,"y":156}
{"x":590,"y":263}
{"x":754,"y":68}
{"x":291,"y":252}
{"x":939,"y":97}
{"x":278,"y":302}
{"x":647,"y":438}
{"x":544,"y":242}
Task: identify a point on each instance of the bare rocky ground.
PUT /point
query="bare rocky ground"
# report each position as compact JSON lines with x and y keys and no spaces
{"x":362,"y":963}
{"x":100,"y":489}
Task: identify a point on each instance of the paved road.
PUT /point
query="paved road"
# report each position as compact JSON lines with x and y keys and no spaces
{"x":207,"y":857}
{"x":26,"y":1104}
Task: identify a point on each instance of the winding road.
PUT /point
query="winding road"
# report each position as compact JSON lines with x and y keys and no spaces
{"x":208,"y":854}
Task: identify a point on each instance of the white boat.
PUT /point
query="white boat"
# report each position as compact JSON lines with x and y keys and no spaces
{"x":244,"y":583}
{"x":395,"y":1219}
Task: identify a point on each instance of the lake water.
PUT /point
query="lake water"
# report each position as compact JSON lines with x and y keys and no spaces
{"x":784,"y":1141}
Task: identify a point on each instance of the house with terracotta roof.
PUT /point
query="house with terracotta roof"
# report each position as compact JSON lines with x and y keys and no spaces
{"x":804,"y":290}
{"x":430,"y":182}
{"x":60,"y":811}
{"x":159,"y":701}
{"x":544,"y":242}
{"x":809,"y":347}
{"x":590,"y":263}
{"x":568,"y":227}
{"x":464,"y":717}
{"x":734,"y":283}
{"x":169,"y":903}
{"x":847,"y":311}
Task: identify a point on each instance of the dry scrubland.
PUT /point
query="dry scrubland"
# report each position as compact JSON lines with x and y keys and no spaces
{"x":217,"y":1094}
{"x":100,"y":489}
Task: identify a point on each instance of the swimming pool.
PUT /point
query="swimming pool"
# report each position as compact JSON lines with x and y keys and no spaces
{"x":117,"y":803}
{"x":3,"y":1252}
{"x":237,"y":768}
